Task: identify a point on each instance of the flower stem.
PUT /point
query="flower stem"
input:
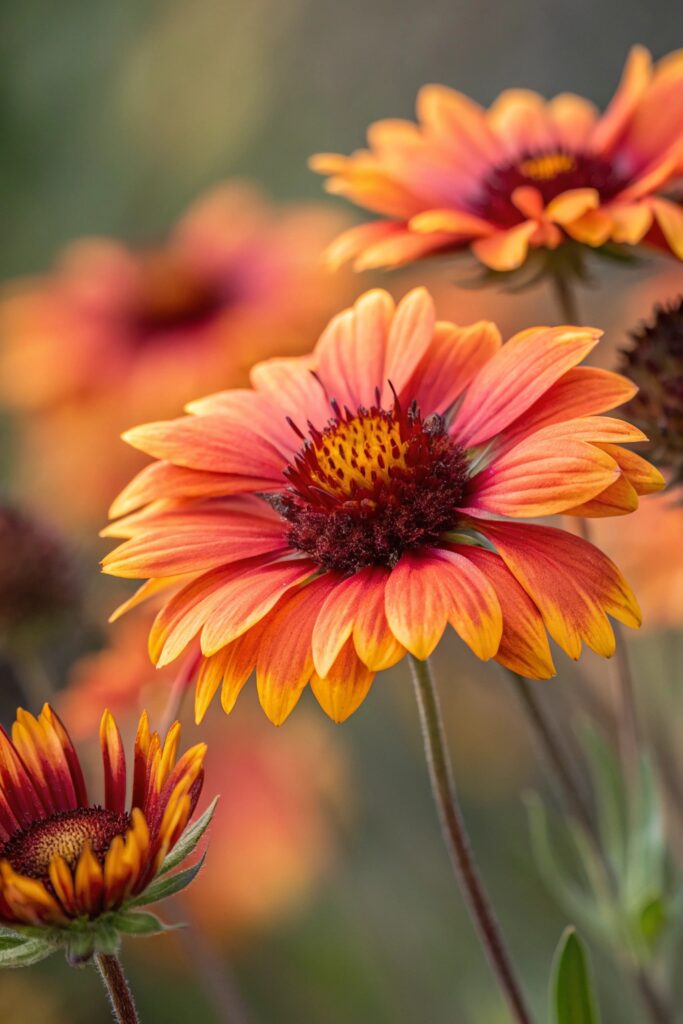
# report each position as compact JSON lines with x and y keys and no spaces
{"x":457,"y":841}
{"x":120,"y":995}
{"x":628,"y":729}
{"x":552,"y":748}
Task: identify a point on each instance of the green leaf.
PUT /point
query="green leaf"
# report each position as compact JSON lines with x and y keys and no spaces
{"x":26,"y":953}
{"x":140,"y":923}
{"x":163,"y":887}
{"x":572,"y":998}
{"x":188,"y":841}
{"x":653,"y":919}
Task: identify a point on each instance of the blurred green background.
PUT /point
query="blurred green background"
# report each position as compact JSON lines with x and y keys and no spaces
{"x":113,"y":117}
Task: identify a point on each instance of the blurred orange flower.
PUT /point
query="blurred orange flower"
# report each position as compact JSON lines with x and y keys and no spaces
{"x":525,"y":174}
{"x":273,"y":833}
{"x":116,"y":334}
{"x":650,"y":551}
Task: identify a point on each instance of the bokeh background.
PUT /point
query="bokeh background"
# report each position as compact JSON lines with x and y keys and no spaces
{"x":328,"y":896}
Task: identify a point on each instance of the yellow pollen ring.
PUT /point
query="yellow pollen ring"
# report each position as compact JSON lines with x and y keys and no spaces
{"x":362,"y":450}
{"x":547,"y":167}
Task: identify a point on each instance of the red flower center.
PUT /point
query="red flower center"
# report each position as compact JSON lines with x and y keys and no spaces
{"x":552,"y":172}
{"x":31,"y":850}
{"x":372,"y":485}
{"x":172,"y":295}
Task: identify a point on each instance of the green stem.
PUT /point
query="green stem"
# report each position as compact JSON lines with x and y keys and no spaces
{"x":551,"y":745}
{"x":120,"y":995}
{"x":457,"y":841}
{"x":565,"y":298}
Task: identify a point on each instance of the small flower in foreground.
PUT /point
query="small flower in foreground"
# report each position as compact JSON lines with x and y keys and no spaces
{"x":655,"y":363}
{"x":525,"y":174}
{"x":72,"y":873}
{"x":356,"y":501}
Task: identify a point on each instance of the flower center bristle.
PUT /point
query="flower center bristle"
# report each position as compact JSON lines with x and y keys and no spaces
{"x":31,"y":850}
{"x":552,"y":172}
{"x":372,"y":485}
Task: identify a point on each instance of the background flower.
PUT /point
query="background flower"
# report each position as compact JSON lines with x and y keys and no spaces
{"x":237,"y":278}
{"x":525,"y":174}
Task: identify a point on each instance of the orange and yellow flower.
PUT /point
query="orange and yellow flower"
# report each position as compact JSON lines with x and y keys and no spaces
{"x":524,"y":174}
{"x":73,"y":871}
{"x":237,"y":279}
{"x":356,"y":501}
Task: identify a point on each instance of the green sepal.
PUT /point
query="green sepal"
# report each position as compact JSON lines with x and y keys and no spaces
{"x":188,"y":841}
{"x":25,"y":952}
{"x":162,"y":887}
{"x":572,"y":1000}
{"x":138,"y":922}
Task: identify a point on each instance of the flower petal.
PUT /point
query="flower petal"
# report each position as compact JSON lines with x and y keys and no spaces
{"x":534,"y":360}
{"x":506,"y":250}
{"x":114,"y":765}
{"x":346,"y":685}
{"x":449,"y":364}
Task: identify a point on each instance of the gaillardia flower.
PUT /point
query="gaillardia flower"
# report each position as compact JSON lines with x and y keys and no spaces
{"x":73,"y":873}
{"x":524,"y":174}
{"x":358,"y":500}
{"x":655,"y":363}
{"x":237,"y":279}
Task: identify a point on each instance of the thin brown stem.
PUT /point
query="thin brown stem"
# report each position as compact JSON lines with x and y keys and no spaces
{"x":120,"y":995}
{"x":628,"y":728}
{"x":178,"y":691}
{"x":457,"y":841}
{"x":551,"y":745}
{"x":565,"y":298}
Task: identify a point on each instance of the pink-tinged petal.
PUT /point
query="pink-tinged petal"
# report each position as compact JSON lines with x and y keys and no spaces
{"x":284,"y":662}
{"x":571,"y":205}
{"x":658,"y":119}
{"x":450,"y":363}
{"x":634,"y":82}
{"x":605,"y":429}
{"x":402,"y":247}
{"x":248,"y":598}
{"x":367,"y":184}
{"x":375,"y":644}
{"x":345,"y":687}
{"x":642,"y":475}
{"x":352,"y":243}
{"x":653,"y":177}
{"x":573,"y":584}
{"x":669,"y":217}
{"x":417,"y":603}
{"x":582,"y":391}
{"x":573,"y":119}
{"x":520,"y":118}
{"x":244,"y":405}
{"x":162,"y":480}
{"x":540,"y":478}
{"x":619,"y":499}
{"x":456,"y":222}
{"x":291,"y":387}
{"x":524,"y":644}
{"x":184,"y":614}
{"x":459,"y":125}
{"x":410,"y":336}
{"x":349,"y":358}
{"x":516,"y":377}
{"x":428,"y":589}
{"x":506,"y":250}
{"x":114,"y":765}
{"x":337,"y":615}
{"x":210,"y":541}
{"x":214,"y":443}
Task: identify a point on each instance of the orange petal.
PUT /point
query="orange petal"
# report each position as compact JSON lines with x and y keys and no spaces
{"x":114,"y":765}
{"x":524,"y":644}
{"x":506,"y":250}
{"x":346,"y":685}
{"x":634,"y":81}
{"x":670,"y":219}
